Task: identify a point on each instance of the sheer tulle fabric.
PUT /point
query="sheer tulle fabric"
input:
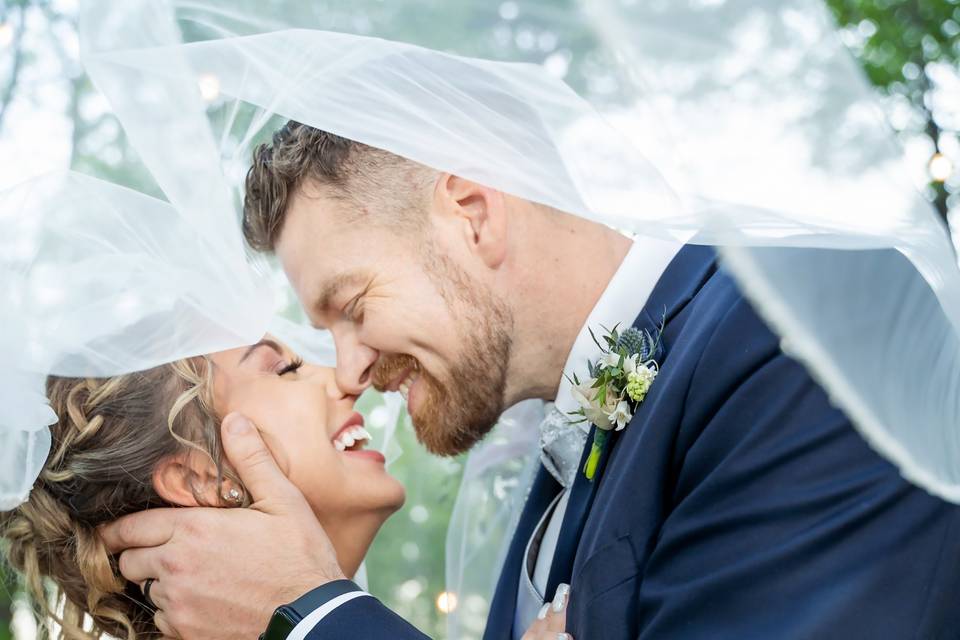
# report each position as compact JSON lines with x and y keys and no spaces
{"x":99,"y":280}
{"x":739,"y":124}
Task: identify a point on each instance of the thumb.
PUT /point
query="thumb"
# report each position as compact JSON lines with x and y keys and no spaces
{"x":254,"y":463}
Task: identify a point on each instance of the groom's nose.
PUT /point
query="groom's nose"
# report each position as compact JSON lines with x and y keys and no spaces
{"x":355,"y":362}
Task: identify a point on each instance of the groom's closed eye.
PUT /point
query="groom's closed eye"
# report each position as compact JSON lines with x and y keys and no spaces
{"x":335,"y":286}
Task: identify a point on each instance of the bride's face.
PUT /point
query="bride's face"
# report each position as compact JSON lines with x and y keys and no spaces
{"x":303,"y":418}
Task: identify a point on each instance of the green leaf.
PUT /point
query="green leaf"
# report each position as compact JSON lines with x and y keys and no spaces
{"x":595,"y":341}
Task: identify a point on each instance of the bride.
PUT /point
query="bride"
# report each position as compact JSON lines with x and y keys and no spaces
{"x":149,"y":439}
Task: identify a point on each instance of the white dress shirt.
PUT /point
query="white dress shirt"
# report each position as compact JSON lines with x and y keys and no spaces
{"x":621,"y":302}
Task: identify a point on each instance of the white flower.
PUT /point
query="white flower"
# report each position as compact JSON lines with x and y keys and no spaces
{"x":610,"y":360}
{"x":621,"y":415}
{"x":630,"y":363}
{"x":599,"y":417}
{"x":584,"y":393}
{"x":599,"y":414}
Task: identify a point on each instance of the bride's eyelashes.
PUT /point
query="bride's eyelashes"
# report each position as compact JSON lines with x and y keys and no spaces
{"x":291,"y":367}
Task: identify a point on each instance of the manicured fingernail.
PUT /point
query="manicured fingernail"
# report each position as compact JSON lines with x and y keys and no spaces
{"x":543,"y":612}
{"x":237,"y":425}
{"x":563,"y":636}
{"x":560,"y":599}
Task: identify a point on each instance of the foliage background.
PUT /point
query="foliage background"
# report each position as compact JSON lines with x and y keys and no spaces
{"x":50,"y":116}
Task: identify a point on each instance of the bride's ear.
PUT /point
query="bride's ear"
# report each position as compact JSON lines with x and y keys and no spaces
{"x":187,"y":479}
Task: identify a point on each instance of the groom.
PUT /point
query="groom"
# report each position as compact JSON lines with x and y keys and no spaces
{"x":737,"y":502}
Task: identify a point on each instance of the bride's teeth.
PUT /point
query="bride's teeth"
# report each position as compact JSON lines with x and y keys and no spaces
{"x":338,"y":444}
{"x":364,"y":434}
{"x":348,"y":440}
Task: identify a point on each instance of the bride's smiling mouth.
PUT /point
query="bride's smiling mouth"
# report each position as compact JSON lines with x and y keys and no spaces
{"x":351,"y":438}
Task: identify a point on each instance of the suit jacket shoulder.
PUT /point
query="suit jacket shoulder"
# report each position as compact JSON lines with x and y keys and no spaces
{"x":741,"y":503}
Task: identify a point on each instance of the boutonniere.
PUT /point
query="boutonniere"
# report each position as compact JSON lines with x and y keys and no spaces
{"x":619,"y":381}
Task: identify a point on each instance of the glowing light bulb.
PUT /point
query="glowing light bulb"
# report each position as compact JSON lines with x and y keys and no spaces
{"x":209,"y":87}
{"x":940,"y":167}
{"x":6,"y":34}
{"x":447,"y":602}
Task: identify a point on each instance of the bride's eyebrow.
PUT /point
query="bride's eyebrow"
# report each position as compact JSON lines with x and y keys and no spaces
{"x":266,"y":342}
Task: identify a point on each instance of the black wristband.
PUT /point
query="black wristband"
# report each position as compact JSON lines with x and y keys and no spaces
{"x":288,"y":616}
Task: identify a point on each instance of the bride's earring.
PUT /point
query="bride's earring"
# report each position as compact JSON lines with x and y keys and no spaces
{"x":234,"y":496}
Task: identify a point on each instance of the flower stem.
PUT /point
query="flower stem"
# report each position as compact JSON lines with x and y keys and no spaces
{"x":590,"y":468}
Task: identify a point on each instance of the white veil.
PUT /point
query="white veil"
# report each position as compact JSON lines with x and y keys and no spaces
{"x":741,"y":123}
{"x":98,"y":280}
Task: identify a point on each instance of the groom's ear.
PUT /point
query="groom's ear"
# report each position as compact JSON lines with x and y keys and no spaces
{"x":187,"y":479}
{"x":479,"y":215}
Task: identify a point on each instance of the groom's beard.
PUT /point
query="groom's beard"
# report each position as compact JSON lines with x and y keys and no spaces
{"x":452,"y":415}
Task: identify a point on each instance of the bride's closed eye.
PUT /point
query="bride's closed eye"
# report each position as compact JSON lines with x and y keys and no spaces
{"x":291,"y":367}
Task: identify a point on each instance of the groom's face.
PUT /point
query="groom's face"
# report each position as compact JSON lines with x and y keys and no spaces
{"x":406,"y":316}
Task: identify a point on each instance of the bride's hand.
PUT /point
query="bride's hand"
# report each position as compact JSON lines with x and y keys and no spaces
{"x":220,"y":573}
{"x":552,"y":620}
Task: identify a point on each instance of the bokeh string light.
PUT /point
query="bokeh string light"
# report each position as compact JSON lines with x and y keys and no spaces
{"x":209,"y":85}
{"x":446,"y":602}
{"x":6,"y":34}
{"x":940,"y":167}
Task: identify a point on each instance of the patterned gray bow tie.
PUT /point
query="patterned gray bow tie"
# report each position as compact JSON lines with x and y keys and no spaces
{"x":561,"y":445}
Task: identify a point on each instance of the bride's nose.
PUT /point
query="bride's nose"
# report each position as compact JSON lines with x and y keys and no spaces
{"x":326,"y":377}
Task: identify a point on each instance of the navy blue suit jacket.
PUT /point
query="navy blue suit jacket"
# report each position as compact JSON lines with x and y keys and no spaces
{"x":739,"y":503}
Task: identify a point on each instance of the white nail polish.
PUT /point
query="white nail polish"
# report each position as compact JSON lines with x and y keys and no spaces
{"x":560,"y":599}
{"x":543,"y":611}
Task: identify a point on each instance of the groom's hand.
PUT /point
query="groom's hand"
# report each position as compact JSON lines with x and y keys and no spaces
{"x":220,"y":573}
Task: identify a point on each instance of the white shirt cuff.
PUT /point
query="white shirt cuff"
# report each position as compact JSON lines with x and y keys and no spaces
{"x":306,"y":625}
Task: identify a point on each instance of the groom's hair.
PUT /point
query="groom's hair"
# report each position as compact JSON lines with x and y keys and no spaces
{"x":377,"y":185}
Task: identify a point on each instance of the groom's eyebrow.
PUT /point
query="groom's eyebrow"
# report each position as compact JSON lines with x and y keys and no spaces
{"x":337,"y":283}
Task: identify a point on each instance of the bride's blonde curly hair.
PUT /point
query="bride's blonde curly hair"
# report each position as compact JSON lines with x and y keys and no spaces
{"x":111,"y":435}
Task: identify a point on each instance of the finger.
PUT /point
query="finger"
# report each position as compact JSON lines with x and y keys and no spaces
{"x":253,"y":462}
{"x":545,"y":627}
{"x":157,"y":596}
{"x":139,"y":565}
{"x":556,"y":619}
{"x":164,"y":626}
{"x":150,"y":528}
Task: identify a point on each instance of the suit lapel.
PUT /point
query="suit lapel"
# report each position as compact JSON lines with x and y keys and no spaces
{"x":692,"y":267}
{"x":681,"y":281}
{"x":578,"y":507}
{"x":679,"y":284}
{"x":500,"y":621}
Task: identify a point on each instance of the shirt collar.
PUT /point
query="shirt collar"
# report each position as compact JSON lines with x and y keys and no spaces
{"x":621,"y":302}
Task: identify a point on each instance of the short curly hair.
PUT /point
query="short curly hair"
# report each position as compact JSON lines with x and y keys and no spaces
{"x":378,"y":185}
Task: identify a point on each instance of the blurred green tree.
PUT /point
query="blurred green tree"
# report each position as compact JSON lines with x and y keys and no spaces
{"x":901,"y":44}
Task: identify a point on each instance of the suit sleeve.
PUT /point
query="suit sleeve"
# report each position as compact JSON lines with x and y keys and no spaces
{"x":363,"y":617}
{"x":781,"y":521}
